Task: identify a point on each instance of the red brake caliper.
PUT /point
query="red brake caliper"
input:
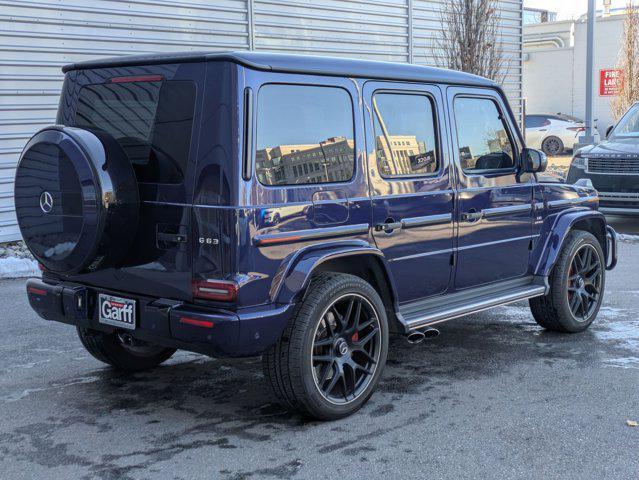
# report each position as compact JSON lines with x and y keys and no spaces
{"x":355,"y":337}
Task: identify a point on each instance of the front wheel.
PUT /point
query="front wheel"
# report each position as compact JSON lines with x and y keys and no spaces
{"x":576,"y":286}
{"x":330,"y":357}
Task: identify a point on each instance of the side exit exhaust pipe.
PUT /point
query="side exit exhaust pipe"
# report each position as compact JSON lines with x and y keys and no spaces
{"x":419,"y":336}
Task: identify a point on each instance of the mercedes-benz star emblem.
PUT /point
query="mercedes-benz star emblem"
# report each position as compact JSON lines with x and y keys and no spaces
{"x":46,"y":202}
{"x":342,"y":347}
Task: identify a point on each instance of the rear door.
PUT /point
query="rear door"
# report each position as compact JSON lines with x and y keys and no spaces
{"x":308,"y":184}
{"x":494,"y":200}
{"x":410,"y":185}
{"x":153,"y":112}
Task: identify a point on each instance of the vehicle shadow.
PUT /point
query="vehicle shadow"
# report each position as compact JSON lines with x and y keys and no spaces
{"x":197,"y":388}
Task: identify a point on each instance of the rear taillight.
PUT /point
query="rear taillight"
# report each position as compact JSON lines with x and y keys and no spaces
{"x":36,"y":291}
{"x":577,"y":129}
{"x":223,"y":290}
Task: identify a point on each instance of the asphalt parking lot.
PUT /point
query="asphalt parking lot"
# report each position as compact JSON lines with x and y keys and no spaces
{"x":494,"y":396}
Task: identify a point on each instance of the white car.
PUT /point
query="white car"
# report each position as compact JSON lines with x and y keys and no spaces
{"x":554,"y":134}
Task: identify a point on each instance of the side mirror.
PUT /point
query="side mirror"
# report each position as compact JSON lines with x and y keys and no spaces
{"x":533,"y":161}
{"x":608,"y":130}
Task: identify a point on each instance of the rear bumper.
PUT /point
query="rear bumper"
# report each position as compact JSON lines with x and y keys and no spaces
{"x":214,"y":332}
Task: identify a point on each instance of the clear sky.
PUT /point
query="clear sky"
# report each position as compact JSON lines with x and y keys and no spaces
{"x":569,"y":9}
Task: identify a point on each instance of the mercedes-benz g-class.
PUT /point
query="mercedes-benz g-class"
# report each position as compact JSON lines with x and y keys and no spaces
{"x":299,"y":208}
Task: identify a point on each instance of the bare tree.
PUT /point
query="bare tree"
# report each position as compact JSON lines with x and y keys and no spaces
{"x":469,"y":39}
{"x":628,"y":63}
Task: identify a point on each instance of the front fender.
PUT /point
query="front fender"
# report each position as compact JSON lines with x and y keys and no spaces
{"x":555,"y":230}
{"x":294,"y":274}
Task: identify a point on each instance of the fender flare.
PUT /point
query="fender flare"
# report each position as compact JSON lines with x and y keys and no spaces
{"x":554,"y":233}
{"x":295,"y":271}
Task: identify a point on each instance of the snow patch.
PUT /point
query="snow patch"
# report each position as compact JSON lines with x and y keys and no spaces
{"x":13,"y":267}
{"x":625,"y":237}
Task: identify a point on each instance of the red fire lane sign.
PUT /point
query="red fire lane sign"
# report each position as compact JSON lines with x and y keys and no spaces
{"x":610,"y":82}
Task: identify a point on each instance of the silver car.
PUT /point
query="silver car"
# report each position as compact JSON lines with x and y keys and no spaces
{"x":554,"y":134}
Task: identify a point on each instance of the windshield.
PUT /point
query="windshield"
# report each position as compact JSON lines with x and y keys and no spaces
{"x":628,"y":126}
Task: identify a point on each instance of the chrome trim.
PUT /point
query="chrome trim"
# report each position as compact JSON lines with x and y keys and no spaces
{"x":620,"y":211}
{"x":295,"y":236}
{"x":611,"y":171}
{"x":498,"y":211}
{"x":259,"y":207}
{"x":418,"y":255}
{"x":620,"y":197}
{"x":573,"y":201}
{"x":413,"y":222}
{"x":477,"y":306}
{"x":513,"y":239}
{"x":413,"y":194}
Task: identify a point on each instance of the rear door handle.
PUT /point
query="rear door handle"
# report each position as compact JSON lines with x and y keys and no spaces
{"x":471,"y":216}
{"x":387,"y":227}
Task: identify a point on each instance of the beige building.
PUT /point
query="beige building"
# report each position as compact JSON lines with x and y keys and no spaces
{"x":400,"y":154}
{"x":554,"y":67}
{"x":330,"y":160}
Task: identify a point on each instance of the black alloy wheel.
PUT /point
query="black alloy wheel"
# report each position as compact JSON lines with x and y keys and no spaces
{"x":346,"y":349}
{"x":577,"y":284}
{"x":584,"y":282}
{"x":332,"y":353}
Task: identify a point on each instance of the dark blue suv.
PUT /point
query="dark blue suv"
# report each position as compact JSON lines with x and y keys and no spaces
{"x":298,"y":208}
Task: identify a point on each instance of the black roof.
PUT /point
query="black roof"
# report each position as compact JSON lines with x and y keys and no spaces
{"x":316,"y":65}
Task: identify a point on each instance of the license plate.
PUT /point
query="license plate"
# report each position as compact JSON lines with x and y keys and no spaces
{"x":117,"y":311}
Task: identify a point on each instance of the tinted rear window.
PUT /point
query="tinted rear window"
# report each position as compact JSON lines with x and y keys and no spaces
{"x":152,"y":121}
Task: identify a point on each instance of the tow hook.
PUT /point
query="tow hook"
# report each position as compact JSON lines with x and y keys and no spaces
{"x":419,"y":336}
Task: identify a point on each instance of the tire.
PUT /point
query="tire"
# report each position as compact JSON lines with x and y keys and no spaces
{"x":324,"y":327}
{"x":77,"y":200}
{"x":552,"y":146}
{"x":109,"y":349}
{"x":568,"y":307}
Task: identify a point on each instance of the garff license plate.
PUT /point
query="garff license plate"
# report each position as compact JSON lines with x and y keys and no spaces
{"x":116,"y":311}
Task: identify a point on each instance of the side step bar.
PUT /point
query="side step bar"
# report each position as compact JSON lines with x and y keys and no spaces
{"x":433,"y":314}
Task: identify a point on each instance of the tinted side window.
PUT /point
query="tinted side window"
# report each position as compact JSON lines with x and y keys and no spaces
{"x":304,"y":135}
{"x":482,"y":136}
{"x":152,"y":121}
{"x":405,"y":139}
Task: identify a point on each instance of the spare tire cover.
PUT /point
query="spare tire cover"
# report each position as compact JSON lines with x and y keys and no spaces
{"x":77,"y":199}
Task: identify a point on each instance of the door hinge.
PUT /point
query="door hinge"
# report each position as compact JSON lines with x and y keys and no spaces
{"x":452,"y":259}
